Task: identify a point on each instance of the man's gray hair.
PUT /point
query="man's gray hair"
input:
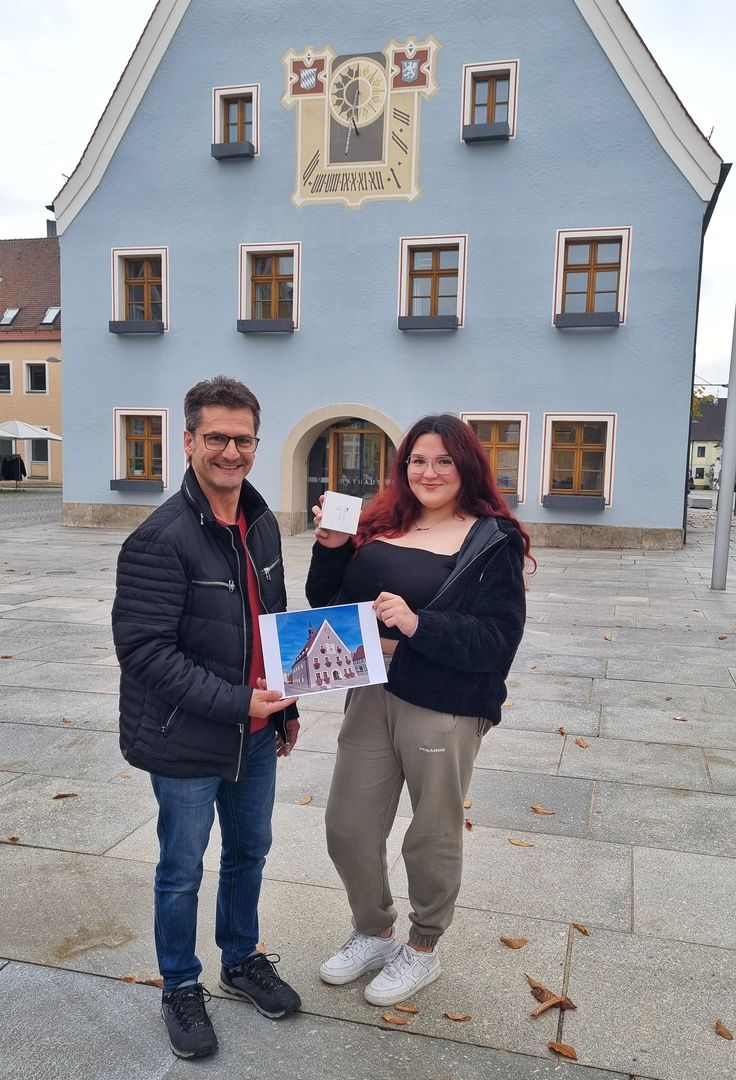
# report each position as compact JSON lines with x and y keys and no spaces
{"x":222,"y":390}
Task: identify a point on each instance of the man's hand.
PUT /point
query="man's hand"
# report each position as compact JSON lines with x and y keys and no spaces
{"x":283,"y":749}
{"x":264,"y":703}
{"x":393,"y":610}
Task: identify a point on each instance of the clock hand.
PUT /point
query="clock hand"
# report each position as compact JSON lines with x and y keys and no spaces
{"x":352,"y":117}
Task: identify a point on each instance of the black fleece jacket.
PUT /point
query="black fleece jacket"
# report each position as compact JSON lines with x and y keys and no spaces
{"x":182,"y":631}
{"x":468,"y":634}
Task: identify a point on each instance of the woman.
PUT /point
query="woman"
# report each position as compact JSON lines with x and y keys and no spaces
{"x":442,"y":559}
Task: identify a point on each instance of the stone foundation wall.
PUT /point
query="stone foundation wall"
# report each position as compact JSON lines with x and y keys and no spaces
{"x":104,"y":515}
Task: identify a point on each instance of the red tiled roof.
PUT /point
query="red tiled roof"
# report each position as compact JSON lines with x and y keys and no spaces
{"x":30,"y":280}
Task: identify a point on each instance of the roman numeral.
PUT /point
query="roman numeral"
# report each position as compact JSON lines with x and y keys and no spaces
{"x":402,"y":117}
{"x":399,"y":142}
{"x":310,"y":168}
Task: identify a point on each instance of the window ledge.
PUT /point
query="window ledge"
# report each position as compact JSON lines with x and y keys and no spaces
{"x":136,"y":485}
{"x":136,"y":326}
{"x":587,"y":318}
{"x":227,"y":151}
{"x":473,"y":133}
{"x":428,"y":322}
{"x":574,"y":502}
{"x":265,"y":326}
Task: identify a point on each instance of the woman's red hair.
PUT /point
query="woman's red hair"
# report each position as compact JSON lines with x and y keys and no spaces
{"x":396,"y":509}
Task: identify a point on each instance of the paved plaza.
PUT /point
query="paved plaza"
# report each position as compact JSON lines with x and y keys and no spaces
{"x":621,"y":719}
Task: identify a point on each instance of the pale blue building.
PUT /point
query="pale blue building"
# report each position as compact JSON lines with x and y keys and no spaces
{"x":369,"y":212}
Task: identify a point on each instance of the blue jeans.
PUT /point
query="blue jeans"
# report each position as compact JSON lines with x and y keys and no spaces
{"x":186,"y":813}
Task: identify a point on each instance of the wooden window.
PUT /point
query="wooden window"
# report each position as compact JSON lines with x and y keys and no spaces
{"x":433,"y":280}
{"x":578,"y":458}
{"x":143,"y":288}
{"x":592,"y":273}
{"x":501,"y":439}
{"x":700,"y":452}
{"x":272,"y":285}
{"x":490,"y":102}
{"x":237,"y":119}
{"x":143,"y":448}
{"x":36,"y":378}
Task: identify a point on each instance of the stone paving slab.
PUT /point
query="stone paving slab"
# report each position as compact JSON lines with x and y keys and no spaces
{"x":95,"y":817}
{"x":503,"y":800}
{"x":110,"y":1029}
{"x":27,"y":748}
{"x":538,"y":715}
{"x":6,"y":777}
{"x":50,"y":676}
{"x":319,"y":732}
{"x":685,"y":897}
{"x":527,"y":686}
{"x":674,"y":818}
{"x":648,"y":671}
{"x":559,"y":877}
{"x":519,"y":751}
{"x":659,"y":725}
{"x":722,"y":768}
{"x":659,"y":764}
{"x":75,"y":652}
{"x":586,"y":667}
{"x":647,"y":694}
{"x":685,"y":987}
{"x":21,"y":705}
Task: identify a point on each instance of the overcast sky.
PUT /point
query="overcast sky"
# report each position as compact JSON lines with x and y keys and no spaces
{"x":60,"y":61}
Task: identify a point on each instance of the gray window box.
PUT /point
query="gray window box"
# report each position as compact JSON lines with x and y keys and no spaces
{"x":136,"y":485}
{"x":265,"y":326}
{"x":224,"y":151}
{"x":428,"y":322}
{"x":136,"y":326}
{"x":499,"y":132}
{"x":574,"y":502}
{"x":511,"y":499}
{"x":587,"y":318}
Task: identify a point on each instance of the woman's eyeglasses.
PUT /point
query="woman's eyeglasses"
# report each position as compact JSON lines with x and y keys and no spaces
{"x":244,"y":444}
{"x":415,"y":463}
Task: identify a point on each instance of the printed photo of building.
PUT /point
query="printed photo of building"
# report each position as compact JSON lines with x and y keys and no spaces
{"x":325,"y":660}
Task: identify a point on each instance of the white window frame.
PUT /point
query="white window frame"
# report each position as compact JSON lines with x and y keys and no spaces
{"x":523,"y":419}
{"x":408,"y":243}
{"x":218,"y":128}
{"x":490,"y":67}
{"x":119,"y":459}
{"x":578,"y":417}
{"x":35,"y":461}
{"x":9,"y":316}
{"x":563,"y":235}
{"x":293,"y":247}
{"x":119,"y":255}
{"x":52,"y":314}
{"x":9,"y":364}
{"x":26,"y":377}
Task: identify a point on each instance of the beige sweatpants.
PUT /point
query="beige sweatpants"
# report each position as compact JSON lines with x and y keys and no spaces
{"x":383,"y":742}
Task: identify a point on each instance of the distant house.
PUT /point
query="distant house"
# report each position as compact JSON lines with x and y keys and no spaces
{"x":30,"y":350}
{"x":324,"y":660}
{"x":706,"y":443}
{"x":359,"y":661}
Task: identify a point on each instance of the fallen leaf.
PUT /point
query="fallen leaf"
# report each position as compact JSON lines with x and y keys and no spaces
{"x":305,"y":800}
{"x":723,"y":637}
{"x":66,"y":720}
{"x":668,"y":697}
{"x":684,"y":718}
{"x":67,"y":795}
{"x":104,"y":568}
{"x":406,"y":1008}
{"x":544,"y":994}
{"x":468,"y":803}
{"x":519,"y":843}
{"x":723,"y":1031}
{"x":6,"y":656}
{"x":13,"y":839}
{"x":468,"y":824}
{"x":507,"y":704}
{"x":391,"y":1019}
{"x":534,"y":667}
{"x":562,"y":730}
{"x":123,"y":775}
{"x":583,"y":929}
{"x":261,"y":948}
{"x":459,"y":1018}
{"x":550,"y":1003}
{"x":10,"y":570}
{"x":103,"y":647}
{"x":582,"y":743}
{"x":514,"y":942}
{"x":542,"y":810}
{"x":144,"y":980}
{"x":607,"y":637}
{"x":564,"y":1050}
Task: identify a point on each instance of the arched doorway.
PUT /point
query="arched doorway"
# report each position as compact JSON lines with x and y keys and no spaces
{"x":352,"y":456}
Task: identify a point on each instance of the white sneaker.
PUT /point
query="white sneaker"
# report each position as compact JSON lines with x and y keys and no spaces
{"x":402,"y":976}
{"x":359,"y":954}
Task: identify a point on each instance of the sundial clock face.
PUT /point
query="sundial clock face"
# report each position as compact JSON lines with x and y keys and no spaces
{"x":358,"y":117}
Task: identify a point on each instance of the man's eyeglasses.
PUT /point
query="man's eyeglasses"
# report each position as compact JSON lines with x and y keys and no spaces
{"x":415,"y":463}
{"x":244,"y":444}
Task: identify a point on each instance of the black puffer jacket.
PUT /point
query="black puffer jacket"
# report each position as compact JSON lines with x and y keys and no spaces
{"x":182,"y":633}
{"x":467,"y":635}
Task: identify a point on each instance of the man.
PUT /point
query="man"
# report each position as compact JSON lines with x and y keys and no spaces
{"x":191,"y":582}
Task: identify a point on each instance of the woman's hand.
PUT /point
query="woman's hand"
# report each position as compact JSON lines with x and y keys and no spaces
{"x":329,"y":538}
{"x":393,"y":610}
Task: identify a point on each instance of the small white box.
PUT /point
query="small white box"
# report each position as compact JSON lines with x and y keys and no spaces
{"x":341,"y":512}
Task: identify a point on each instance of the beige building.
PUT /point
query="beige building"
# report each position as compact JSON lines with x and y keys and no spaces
{"x":30,"y":351}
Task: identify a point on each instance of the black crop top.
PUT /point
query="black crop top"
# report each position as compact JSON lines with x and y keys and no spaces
{"x":414,"y":574}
